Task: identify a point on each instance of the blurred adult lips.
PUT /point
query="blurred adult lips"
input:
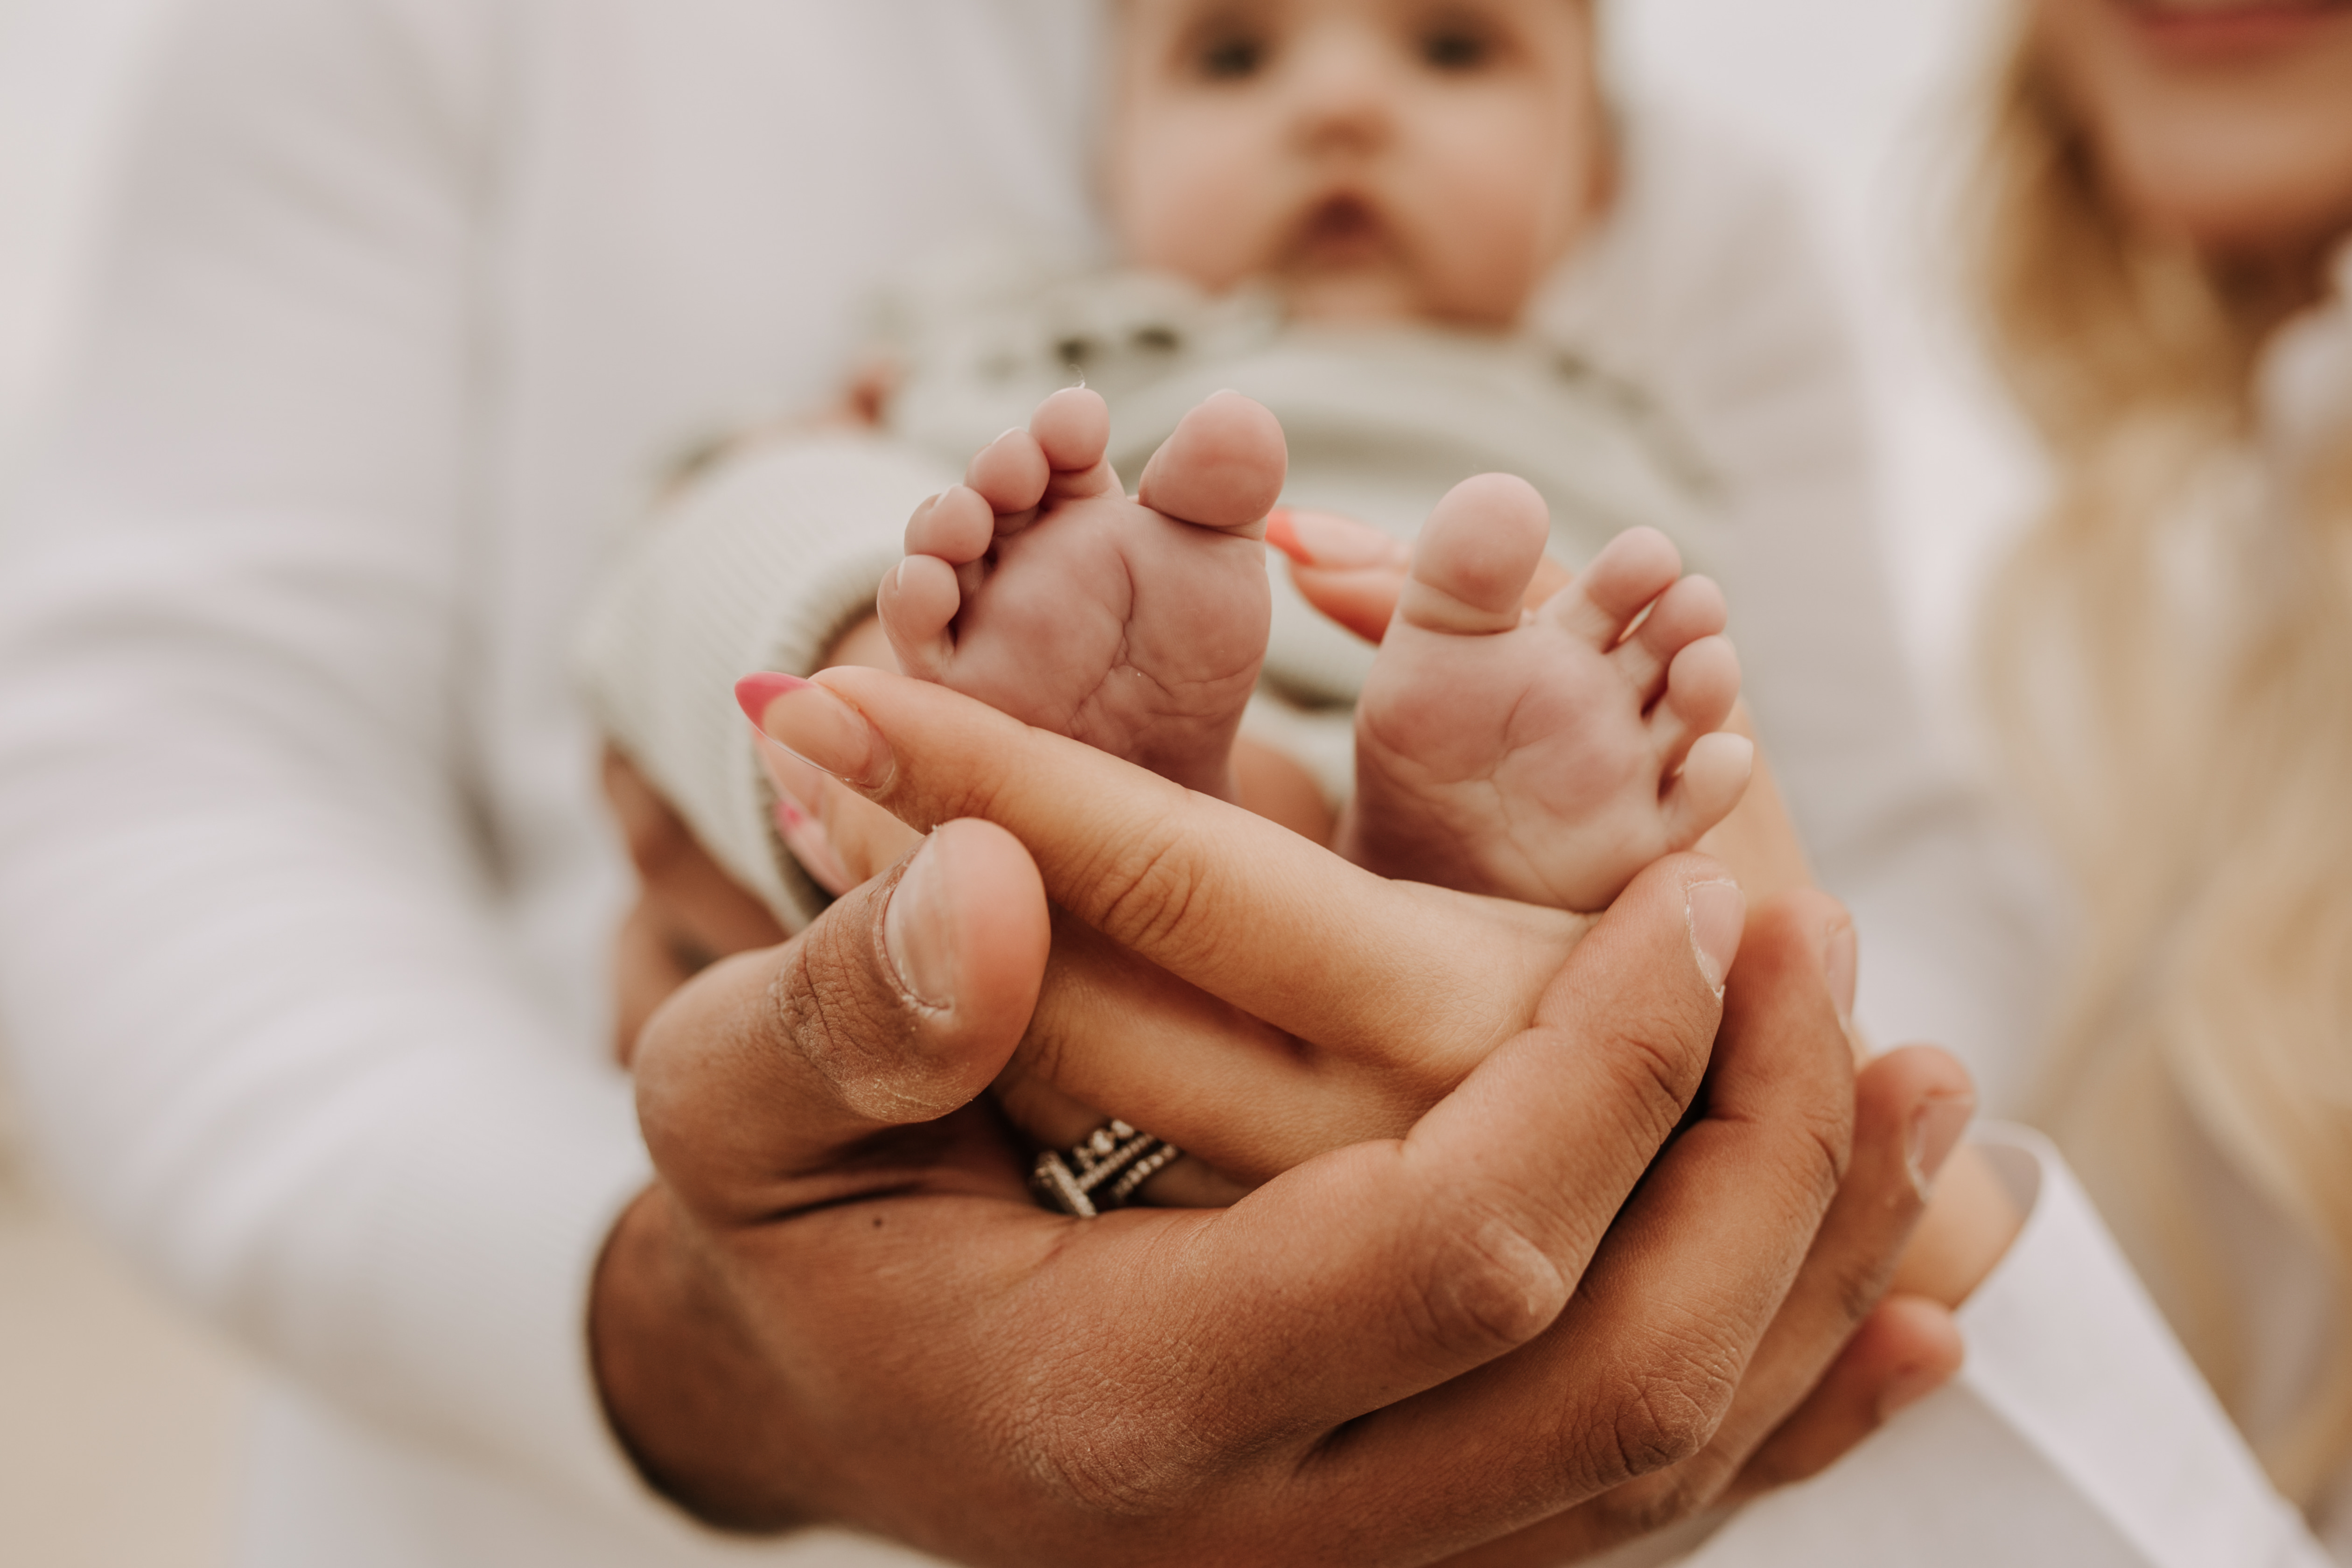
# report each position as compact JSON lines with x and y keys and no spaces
{"x":2233,"y":26}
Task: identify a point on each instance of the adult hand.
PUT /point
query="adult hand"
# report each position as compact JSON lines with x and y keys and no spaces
{"x":838,"y":1302}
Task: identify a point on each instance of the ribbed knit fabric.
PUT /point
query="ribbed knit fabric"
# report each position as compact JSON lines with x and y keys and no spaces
{"x":760,"y":564}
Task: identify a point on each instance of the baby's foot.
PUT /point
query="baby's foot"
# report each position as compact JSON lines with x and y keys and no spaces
{"x":1546,"y":755}
{"x":1136,"y":625}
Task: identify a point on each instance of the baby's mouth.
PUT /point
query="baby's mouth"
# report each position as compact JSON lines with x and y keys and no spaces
{"x":1342,"y":230}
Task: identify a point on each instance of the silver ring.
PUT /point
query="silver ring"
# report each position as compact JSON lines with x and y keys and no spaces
{"x":1102,"y":1171}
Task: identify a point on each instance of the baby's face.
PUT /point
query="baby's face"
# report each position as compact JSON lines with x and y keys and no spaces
{"x":1377,"y":160}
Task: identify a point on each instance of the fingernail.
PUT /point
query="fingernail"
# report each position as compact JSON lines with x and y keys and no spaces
{"x":1840,"y":965}
{"x":816,"y":727}
{"x":793,"y":779}
{"x":917,"y":931}
{"x":1326,"y":539}
{"x":1718,"y":913}
{"x":755,"y":691}
{"x":811,"y":845}
{"x":1908,"y":1387}
{"x":1935,"y":1129}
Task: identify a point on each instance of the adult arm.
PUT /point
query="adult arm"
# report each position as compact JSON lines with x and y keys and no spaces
{"x":267,"y":1007}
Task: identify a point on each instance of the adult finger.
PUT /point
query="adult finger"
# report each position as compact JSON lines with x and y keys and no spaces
{"x":1911,"y":1107}
{"x":1354,"y":572}
{"x":1428,"y":1255}
{"x":1188,"y":882}
{"x":1834,"y":1362}
{"x":897,"y":1006}
{"x":1643,"y":1366}
{"x":1905,"y":1349}
{"x":1898,"y":1099}
{"x":1229,"y":1088}
{"x":840,"y":839}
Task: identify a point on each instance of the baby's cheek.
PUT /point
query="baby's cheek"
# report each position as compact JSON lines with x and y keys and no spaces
{"x":1195,"y":207}
{"x":1493,"y":236}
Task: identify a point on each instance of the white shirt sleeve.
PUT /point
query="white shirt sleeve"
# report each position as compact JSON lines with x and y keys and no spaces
{"x":2078,"y":1433}
{"x":260,"y":982}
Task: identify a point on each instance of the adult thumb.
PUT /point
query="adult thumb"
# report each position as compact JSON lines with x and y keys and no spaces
{"x":897,"y":1006}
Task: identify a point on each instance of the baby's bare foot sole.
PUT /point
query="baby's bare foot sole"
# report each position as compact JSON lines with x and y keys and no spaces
{"x":1137,"y":626}
{"x":1550,"y":755}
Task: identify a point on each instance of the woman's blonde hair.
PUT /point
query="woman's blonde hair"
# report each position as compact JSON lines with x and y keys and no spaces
{"x":2169,"y":657}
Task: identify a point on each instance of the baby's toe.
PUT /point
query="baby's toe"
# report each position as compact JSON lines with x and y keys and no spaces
{"x":1475,"y":556}
{"x":1072,"y":430}
{"x":1010,"y":474}
{"x":1632,"y":570}
{"x":957,"y":525}
{"x":1693,"y":608}
{"x":1712,"y":778}
{"x":1702,"y":684}
{"x":1222,"y":469}
{"x":918,"y":606}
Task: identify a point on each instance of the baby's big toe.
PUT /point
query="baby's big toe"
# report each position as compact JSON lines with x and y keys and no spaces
{"x":1223,"y":468}
{"x":1475,"y":556}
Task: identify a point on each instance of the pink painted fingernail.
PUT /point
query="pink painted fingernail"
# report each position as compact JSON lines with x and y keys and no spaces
{"x":754,"y":692}
{"x":817,"y":726}
{"x":1327,"y":539}
{"x":811,"y":845}
{"x":1717,"y":915}
{"x":1283,"y":536}
{"x":1935,"y":1129}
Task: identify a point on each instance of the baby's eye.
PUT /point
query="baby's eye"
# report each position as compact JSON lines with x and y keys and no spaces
{"x":1231,"y":56}
{"x":1455,"y":48}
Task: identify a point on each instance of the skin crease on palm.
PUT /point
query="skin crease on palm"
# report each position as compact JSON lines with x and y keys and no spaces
{"x":2226,"y":123}
{"x":1404,"y":161}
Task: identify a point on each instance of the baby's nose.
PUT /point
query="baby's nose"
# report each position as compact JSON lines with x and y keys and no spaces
{"x":1343,"y":89}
